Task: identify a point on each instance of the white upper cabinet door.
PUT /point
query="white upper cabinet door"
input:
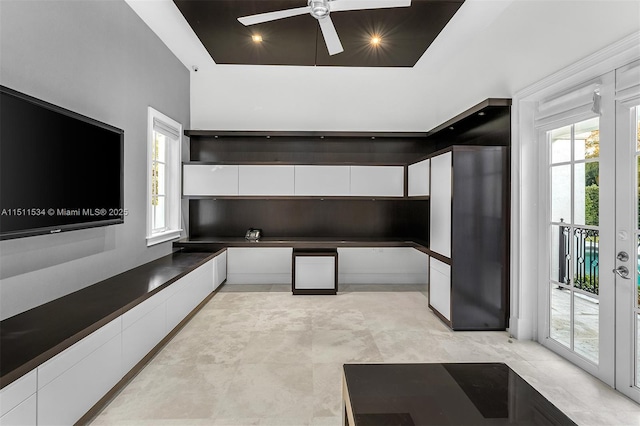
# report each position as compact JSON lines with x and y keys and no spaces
{"x":419,"y":179}
{"x":381,"y":181}
{"x":322,"y":180}
{"x":209,"y":179}
{"x":266,"y":180}
{"x":440,"y":218}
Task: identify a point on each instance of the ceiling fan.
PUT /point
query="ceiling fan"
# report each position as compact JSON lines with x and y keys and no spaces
{"x":320,"y":10}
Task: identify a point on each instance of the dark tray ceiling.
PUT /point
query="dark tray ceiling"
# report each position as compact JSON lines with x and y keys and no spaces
{"x":406,"y":33}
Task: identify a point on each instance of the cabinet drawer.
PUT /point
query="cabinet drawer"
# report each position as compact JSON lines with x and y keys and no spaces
{"x":440,"y":287}
{"x":17,"y":392}
{"x":24,"y":414}
{"x":71,"y":356}
{"x":139,"y":311}
{"x":140,"y":337}
{"x":69,"y":396}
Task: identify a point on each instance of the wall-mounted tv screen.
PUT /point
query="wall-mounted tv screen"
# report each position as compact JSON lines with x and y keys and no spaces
{"x":59,"y":170}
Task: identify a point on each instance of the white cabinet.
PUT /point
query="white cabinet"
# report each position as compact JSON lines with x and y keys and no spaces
{"x":380,"y":181}
{"x":289,"y":180}
{"x":265,"y":265}
{"x":209,"y":179}
{"x":382,"y":265}
{"x":70,"y":383}
{"x":220,"y":269}
{"x":143,"y":334}
{"x":322,"y":180}
{"x":61,"y":390}
{"x":440,"y":287}
{"x":18,"y":401}
{"x":419,"y":179}
{"x":469,"y":230}
{"x":315,"y":273}
{"x":266,"y":180}
{"x":441,"y":199}
{"x":190,"y":291}
{"x":24,"y":414}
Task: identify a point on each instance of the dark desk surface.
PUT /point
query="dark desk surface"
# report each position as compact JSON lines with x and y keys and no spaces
{"x":444,"y":394}
{"x":32,"y":337}
{"x":211,"y":244}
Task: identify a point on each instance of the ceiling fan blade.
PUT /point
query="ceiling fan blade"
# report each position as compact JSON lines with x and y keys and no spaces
{"x":330,"y":35}
{"x":340,"y":5}
{"x":272,"y":16}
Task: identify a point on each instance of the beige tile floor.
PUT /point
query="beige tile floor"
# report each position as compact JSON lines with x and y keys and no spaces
{"x":267,"y":357}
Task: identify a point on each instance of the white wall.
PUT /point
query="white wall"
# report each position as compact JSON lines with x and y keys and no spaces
{"x":490,"y":49}
{"x":99,"y":59}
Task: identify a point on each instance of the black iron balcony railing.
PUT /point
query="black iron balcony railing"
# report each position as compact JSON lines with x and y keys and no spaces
{"x":586,"y":244}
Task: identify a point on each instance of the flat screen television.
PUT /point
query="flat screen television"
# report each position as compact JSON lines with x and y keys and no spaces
{"x":59,"y":170}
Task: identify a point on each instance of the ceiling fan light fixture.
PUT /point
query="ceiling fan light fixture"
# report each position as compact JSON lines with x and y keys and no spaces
{"x":319,"y":8}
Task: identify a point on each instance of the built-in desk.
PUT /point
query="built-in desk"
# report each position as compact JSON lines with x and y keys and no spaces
{"x":361,"y":260}
{"x":213,"y":244}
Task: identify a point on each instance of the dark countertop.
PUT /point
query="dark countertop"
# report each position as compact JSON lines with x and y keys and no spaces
{"x":32,"y":337}
{"x":445,"y":394}
{"x":305,"y":242}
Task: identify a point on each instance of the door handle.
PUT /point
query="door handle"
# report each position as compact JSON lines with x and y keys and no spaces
{"x":622,"y":272}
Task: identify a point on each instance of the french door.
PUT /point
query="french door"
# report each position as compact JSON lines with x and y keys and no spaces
{"x":627,"y":266}
{"x":591,"y":246}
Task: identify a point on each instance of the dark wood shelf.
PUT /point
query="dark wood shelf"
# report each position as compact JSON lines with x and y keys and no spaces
{"x":300,"y":197}
{"x":206,"y":243}
{"x":286,"y":163}
{"x":298,"y":134}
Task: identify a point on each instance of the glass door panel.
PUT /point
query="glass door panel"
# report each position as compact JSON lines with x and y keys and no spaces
{"x":575,"y":235}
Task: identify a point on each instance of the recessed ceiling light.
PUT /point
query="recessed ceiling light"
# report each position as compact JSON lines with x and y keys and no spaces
{"x":481,"y":113}
{"x":375,"y":40}
{"x":257,"y":38}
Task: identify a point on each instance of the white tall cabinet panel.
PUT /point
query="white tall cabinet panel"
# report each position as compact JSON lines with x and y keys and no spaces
{"x":441,"y":193}
{"x":266,"y":180}
{"x":419,"y":179}
{"x":440,"y":287}
{"x":322,"y":180}
{"x":209,"y":179}
{"x":381,"y":181}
